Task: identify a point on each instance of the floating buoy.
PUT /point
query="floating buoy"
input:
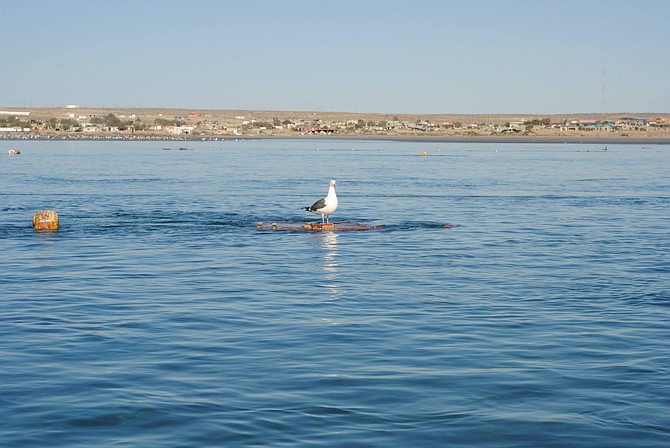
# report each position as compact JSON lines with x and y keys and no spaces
{"x":424,"y":154}
{"x":13,"y":152}
{"x":316,"y":226}
{"x":45,"y":220}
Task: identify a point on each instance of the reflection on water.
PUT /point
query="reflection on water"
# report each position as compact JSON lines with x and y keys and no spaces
{"x":45,"y":244}
{"x":328,"y":242}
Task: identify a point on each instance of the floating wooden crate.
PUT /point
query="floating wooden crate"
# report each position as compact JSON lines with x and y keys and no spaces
{"x":316,"y":226}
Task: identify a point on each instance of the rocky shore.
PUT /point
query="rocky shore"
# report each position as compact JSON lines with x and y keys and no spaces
{"x":641,"y":140}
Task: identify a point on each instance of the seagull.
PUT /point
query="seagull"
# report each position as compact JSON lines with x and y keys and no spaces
{"x":325,"y":206}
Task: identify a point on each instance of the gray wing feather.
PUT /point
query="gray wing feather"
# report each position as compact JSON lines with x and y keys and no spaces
{"x":321,"y":203}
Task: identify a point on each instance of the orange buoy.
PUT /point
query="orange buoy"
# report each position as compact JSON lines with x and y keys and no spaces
{"x":45,"y":220}
{"x":424,"y":154}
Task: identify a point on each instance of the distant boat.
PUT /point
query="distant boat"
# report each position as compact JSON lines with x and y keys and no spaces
{"x":13,"y":152}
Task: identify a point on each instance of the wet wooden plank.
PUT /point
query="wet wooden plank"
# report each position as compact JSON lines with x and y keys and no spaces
{"x":317,"y":226}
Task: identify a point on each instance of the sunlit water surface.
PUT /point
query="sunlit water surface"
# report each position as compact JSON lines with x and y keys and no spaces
{"x":158,"y":315}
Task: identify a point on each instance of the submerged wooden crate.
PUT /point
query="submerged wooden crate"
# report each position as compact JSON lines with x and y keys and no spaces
{"x":317,"y":226}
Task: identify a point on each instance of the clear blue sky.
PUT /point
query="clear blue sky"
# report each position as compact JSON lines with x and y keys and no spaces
{"x":351,"y":56}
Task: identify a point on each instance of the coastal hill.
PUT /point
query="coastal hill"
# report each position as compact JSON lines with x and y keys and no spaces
{"x":208,"y":122}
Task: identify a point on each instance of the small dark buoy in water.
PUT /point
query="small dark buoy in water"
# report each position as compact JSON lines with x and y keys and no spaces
{"x":45,"y":220}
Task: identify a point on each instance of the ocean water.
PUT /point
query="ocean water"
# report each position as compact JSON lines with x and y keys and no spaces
{"x":159,"y":316}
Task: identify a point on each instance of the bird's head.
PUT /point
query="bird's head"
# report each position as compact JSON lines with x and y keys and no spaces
{"x":333,"y":183}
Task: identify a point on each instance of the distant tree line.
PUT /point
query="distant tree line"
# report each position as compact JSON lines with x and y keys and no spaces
{"x":166,"y":122}
{"x":13,"y":122}
{"x":112,"y":121}
{"x":538,"y":122}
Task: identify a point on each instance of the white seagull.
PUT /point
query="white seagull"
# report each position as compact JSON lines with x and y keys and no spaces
{"x":325,"y":206}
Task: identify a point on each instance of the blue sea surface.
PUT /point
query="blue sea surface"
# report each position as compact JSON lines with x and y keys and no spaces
{"x":159,"y":316}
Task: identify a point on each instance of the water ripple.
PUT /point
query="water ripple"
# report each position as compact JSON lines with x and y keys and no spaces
{"x":158,"y":315}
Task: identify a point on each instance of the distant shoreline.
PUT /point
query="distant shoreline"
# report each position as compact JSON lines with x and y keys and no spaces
{"x":606,"y":140}
{"x":186,"y":125}
{"x":507,"y":139}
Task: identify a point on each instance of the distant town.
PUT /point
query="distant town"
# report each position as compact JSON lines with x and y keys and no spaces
{"x":75,"y":122}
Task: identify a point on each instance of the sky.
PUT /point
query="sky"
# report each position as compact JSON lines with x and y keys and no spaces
{"x":426,"y":57}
